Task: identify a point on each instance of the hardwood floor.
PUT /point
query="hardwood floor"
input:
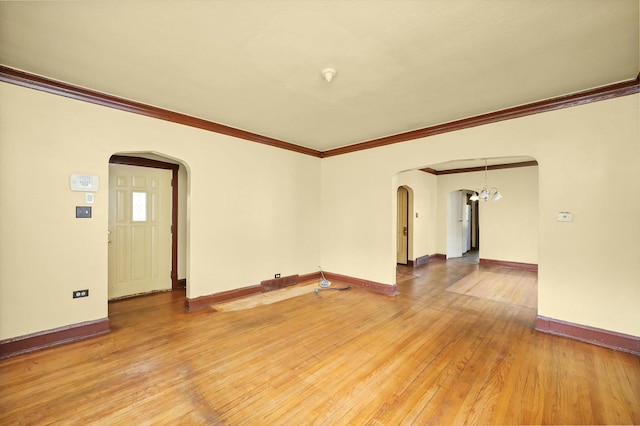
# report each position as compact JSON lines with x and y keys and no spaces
{"x":513,"y":286}
{"x":426,"y":356}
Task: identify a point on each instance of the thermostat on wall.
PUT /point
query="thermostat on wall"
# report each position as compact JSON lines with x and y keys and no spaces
{"x":86,"y":183}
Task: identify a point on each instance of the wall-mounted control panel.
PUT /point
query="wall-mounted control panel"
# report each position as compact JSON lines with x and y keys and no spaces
{"x":85,"y":183}
{"x":83,"y":212}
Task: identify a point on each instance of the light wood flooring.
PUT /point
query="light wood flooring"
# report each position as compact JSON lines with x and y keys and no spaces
{"x":500,"y":284}
{"x":437,"y":353}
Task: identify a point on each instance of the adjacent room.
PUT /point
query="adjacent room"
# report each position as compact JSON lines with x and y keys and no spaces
{"x":320,"y":212}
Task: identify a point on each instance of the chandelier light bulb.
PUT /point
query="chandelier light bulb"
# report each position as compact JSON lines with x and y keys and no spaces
{"x":486,"y":194}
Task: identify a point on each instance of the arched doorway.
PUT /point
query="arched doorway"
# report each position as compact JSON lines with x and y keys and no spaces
{"x":147,"y":231}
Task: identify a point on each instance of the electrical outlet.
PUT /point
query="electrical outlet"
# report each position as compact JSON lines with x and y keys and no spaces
{"x":277,"y":276}
{"x":80,"y":293}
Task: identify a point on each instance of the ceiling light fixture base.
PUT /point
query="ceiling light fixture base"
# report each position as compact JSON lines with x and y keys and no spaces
{"x":328,"y":74}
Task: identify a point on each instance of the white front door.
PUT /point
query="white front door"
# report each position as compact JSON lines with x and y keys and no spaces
{"x":139,"y":230}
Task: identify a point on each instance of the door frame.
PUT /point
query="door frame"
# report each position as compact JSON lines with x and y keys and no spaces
{"x":156,"y":164}
{"x":475,"y":225}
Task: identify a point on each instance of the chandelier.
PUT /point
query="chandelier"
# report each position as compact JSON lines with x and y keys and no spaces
{"x":486,"y":194}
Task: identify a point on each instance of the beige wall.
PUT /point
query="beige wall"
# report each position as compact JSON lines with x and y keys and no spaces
{"x":588,"y":156}
{"x":253,"y":210}
{"x":508,"y":227}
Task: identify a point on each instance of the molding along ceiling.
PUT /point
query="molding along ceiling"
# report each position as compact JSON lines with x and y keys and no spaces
{"x":478,"y":165}
{"x":253,"y":69}
{"x":9,"y":75}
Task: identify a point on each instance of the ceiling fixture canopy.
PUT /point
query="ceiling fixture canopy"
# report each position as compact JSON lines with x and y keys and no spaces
{"x":486,"y":194}
{"x":328,"y":74}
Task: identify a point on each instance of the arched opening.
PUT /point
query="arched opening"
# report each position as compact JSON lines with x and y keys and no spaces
{"x":492,"y":231}
{"x":147,"y":224}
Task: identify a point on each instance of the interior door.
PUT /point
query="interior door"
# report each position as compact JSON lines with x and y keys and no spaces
{"x":454,"y":224}
{"x":139,"y":230}
{"x":466,"y":225}
{"x":403,"y":226}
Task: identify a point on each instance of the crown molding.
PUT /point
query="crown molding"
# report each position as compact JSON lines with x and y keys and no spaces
{"x":480,"y":168}
{"x":32,"y":81}
{"x":611,"y":91}
{"x":142,"y":162}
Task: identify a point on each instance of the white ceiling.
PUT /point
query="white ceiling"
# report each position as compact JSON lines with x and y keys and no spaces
{"x":255,"y":64}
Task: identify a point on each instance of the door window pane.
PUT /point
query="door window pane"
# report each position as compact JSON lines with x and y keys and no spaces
{"x":138,"y":206}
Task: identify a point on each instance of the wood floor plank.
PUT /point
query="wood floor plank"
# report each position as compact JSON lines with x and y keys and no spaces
{"x":429,"y":355}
